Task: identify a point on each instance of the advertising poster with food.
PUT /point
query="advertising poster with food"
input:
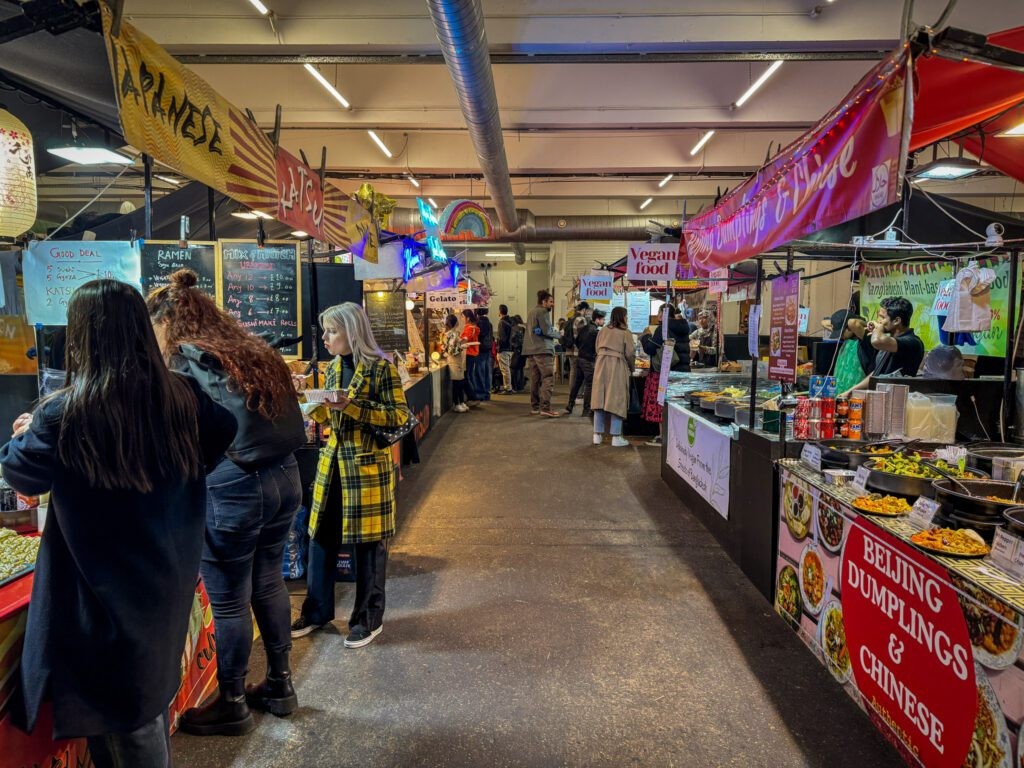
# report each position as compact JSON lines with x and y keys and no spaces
{"x":932,"y":656}
{"x":782,"y":332}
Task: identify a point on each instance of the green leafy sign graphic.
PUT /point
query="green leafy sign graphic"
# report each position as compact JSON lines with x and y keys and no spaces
{"x":691,"y":431}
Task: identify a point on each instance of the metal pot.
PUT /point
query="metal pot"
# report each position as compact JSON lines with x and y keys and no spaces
{"x":1014,"y":518}
{"x":904,"y":485}
{"x":956,"y":502}
{"x":980,"y":456}
{"x":984,"y":528}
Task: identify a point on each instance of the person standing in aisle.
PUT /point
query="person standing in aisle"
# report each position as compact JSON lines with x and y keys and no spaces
{"x":455,"y":354}
{"x":354,"y":492}
{"x":518,"y":361}
{"x":485,"y":360}
{"x":586,"y":348}
{"x":252,"y":498}
{"x":539,"y":351}
{"x":504,"y":342}
{"x":570,"y":344}
{"x":679,"y":332}
{"x":616,"y":353}
{"x":123,"y":450}
{"x":471,"y":341}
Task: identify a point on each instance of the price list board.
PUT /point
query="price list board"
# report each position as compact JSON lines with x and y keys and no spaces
{"x":260,"y":287}
{"x":387,"y":319}
{"x":160,"y":258}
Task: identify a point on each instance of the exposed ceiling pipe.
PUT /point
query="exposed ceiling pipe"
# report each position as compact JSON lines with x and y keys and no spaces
{"x":544,"y":229}
{"x":460,"y":31}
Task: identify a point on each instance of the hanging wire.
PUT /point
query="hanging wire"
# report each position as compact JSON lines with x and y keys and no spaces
{"x":84,"y":207}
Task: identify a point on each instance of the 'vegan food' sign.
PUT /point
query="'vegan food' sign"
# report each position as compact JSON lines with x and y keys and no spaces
{"x":651,"y":261}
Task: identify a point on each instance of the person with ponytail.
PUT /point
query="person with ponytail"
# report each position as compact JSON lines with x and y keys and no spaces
{"x":123,"y":449}
{"x":253,"y":495}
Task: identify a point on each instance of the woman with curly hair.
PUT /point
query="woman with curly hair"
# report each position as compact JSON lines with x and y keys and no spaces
{"x":252,"y":497}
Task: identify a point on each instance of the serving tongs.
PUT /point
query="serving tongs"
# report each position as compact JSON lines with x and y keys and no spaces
{"x":964,"y":489}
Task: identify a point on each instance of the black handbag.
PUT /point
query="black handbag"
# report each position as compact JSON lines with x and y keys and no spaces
{"x":388,"y":436}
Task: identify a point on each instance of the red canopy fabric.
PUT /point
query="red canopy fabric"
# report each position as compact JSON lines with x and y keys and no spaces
{"x":952,"y":96}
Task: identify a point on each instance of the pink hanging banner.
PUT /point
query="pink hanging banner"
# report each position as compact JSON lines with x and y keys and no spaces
{"x":849,"y":164}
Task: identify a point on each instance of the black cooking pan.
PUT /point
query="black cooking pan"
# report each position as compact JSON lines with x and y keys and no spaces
{"x":905,"y":485}
{"x":840,"y":453}
{"x":955,"y":501}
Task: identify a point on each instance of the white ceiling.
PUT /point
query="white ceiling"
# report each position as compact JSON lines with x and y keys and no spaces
{"x":580,"y":137}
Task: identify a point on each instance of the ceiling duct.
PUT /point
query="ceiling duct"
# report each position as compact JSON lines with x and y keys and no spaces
{"x":460,"y":31}
{"x":546,"y":229}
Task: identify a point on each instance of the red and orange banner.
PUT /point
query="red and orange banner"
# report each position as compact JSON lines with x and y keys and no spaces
{"x":173,"y":115}
{"x":849,"y":164}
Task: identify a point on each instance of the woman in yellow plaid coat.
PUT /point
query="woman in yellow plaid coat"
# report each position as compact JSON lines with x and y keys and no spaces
{"x":354,"y":491}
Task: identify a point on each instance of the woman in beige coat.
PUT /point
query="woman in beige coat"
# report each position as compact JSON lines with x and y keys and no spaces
{"x":616,"y":352}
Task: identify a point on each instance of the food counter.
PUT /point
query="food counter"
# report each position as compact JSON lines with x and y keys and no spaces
{"x":198,"y":679}
{"x":929,"y":645}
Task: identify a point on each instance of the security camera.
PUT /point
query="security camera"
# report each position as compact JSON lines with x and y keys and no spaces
{"x":994,"y":234}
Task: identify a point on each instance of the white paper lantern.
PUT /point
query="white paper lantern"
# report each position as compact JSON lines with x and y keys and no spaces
{"x":17,"y":177}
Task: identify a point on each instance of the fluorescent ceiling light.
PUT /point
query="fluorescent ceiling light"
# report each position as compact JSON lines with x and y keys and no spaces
{"x":947,"y":169}
{"x":498,"y":254}
{"x":432,"y":203}
{"x":244,"y":215}
{"x":300,"y":233}
{"x":665,"y":181}
{"x":168,"y":179}
{"x":262,"y":215}
{"x":259,"y":7}
{"x":327,"y":86}
{"x":700,"y":144}
{"x":379,"y":143}
{"x":414,"y":182}
{"x":758,"y":83}
{"x":646,"y":202}
{"x":91,"y":155}
{"x":1017,"y":130}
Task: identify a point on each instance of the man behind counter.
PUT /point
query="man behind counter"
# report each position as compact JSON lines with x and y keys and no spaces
{"x":895,"y":346}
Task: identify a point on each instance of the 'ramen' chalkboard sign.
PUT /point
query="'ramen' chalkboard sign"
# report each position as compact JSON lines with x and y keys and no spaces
{"x":162,"y":257}
{"x":260,"y":287}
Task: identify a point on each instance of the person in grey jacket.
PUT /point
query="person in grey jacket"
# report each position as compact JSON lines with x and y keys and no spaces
{"x":539,"y":351}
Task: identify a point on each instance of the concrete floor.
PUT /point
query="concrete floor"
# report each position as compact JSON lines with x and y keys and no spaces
{"x":550,"y":603}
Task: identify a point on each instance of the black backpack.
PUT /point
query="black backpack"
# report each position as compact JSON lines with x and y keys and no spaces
{"x":567,"y":340}
{"x":516,"y":340}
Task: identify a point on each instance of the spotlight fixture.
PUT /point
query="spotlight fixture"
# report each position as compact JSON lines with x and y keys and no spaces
{"x":379,"y":143}
{"x":946,"y":169}
{"x":327,"y":85}
{"x":646,"y":202}
{"x":758,"y":83}
{"x":700,"y":144}
{"x":666,"y":180}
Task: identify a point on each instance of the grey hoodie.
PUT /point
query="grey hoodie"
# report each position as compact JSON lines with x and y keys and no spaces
{"x":544,"y":344}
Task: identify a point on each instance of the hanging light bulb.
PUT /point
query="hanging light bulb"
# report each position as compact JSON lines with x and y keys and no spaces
{"x":17,"y":177}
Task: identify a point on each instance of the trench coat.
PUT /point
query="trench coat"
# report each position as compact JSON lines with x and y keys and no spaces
{"x":616,"y":353}
{"x":351,"y":457}
{"x":114,"y":582}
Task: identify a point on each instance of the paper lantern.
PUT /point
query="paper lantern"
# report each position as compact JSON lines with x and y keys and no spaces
{"x":17,"y":177}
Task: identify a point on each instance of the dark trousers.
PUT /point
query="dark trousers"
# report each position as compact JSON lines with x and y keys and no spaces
{"x":582,"y":379}
{"x":146,"y":747}
{"x":458,"y":391}
{"x":484,"y":381}
{"x":248,"y":517}
{"x":518,"y":373}
{"x":370,"y":561}
{"x":472,"y":362}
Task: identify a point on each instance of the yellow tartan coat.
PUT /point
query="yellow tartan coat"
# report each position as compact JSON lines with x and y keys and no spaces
{"x":366,"y":473}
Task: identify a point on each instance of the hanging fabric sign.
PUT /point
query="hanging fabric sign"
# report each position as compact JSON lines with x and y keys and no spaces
{"x":848,"y":165}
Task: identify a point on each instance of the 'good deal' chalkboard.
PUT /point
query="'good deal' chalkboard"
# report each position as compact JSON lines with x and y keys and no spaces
{"x":260,"y":287}
{"x":162,"y":257}
{"x":387,"y":319}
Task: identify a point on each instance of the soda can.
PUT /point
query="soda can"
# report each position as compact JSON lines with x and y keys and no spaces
{"x":856,"y":430}
{"x":814,"y":429}
{"x":828,"y":430}
{"x":803,"y":407}
{"x":801,"y":429}
{"x":844,"y":429}
{"x":815,"y":408}
{"x":856,"y":414}
{"x":828,"y":409}
{"x":842,"y":407}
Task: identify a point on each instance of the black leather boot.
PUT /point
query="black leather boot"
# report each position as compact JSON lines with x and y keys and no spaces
{"x":226,"y":715}
{"x":275,"y":695}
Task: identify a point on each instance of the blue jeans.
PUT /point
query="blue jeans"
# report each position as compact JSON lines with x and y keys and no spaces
{"x":472,"y":362}
{"x":248,"y":517}
{"x":484,"y":374}
{"x":146,"y":747}
{"x":599,"y":423}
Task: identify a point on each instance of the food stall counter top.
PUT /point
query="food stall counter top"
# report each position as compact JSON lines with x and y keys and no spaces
{"x":978,"y":572}
{"x":15,"y":595}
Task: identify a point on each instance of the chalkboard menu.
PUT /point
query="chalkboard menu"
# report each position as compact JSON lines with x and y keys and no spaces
{"x":162,"y":257}
{"x":387,"y":319}
{"x":260,"y":287}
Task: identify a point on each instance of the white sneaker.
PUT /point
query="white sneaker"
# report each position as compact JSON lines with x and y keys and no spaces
{"x":597,"y":438}
{"x":619,"y":442}
{"x":461,"y":408}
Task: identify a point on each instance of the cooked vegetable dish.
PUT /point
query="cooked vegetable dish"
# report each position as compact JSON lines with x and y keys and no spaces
{"x":16,"y":552}
{"x":882,"y":505}
{"x":912,"y":466}
{"x":960,"y":542}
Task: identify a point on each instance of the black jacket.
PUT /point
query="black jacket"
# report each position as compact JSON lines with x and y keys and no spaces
{"x":586,"y":342}
{"x":486,"y":333}
{"x":505,"y":335}
{"x":114,"y":583}
{"x":679,"y":330}
{"x":259,"y":441}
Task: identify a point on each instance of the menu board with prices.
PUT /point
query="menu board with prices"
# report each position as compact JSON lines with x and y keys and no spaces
{"x":260,"y":287}
{"x":387,"y":319}
{"x":161,"y":258}
{"x":782,"y":334}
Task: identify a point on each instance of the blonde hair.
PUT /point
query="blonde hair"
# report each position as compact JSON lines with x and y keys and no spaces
{"x":353,"y":319}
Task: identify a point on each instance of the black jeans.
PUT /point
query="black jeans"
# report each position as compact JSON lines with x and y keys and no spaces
{"x":582,"y":379}
{"x":146,"y":747}
{"x":369,"y":559}
{"x":248,"y":517}
{"x":458,"y":391}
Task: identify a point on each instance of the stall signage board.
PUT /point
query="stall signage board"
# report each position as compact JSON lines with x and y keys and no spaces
{"x":54,"y":270}
{"x":387,"y":319}
{"x":449,"y":299}
{"x":300,"y":198}
{"x":16,"y":338}
{"x":719,"y":280}
{"x":811,"y":456}
{"x":666,"y":367}
{"x":261,"y":287}
{"x":922,"y":513}
{"x":849,"y":164}
{"x":162,"y":257}
{"x":753,"y":330}
{"x":698,"y":452}
{"x":860,"y":479}
{"x":782,"y":332}
{"x":638,"y":310}
{"x":1008,"y":553}
{"x":595,"y":287}
{"x":652,"y":262}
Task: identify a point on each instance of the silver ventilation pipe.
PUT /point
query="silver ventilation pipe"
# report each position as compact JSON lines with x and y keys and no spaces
{"x":460,"y":31}
{"x":545,"y":229}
